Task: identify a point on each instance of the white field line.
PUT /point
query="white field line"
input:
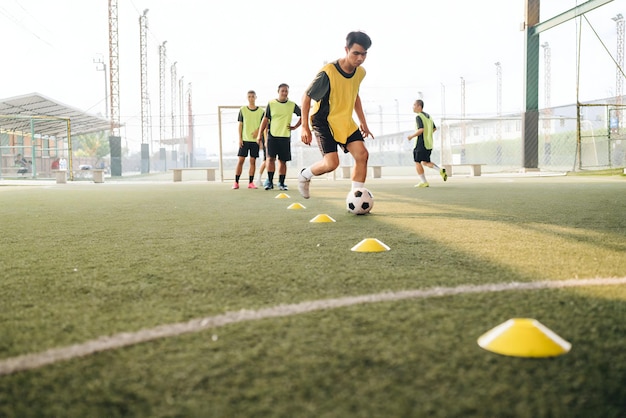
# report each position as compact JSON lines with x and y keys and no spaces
{"x":124,"y":339}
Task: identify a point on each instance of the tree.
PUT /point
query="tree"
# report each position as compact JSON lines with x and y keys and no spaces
{"x":94,"y":144}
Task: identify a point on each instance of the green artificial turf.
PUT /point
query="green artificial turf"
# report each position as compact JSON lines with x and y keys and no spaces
{"x":81,"y":261}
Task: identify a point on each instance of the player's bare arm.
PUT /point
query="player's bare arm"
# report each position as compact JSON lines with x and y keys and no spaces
{"x":297,"y":125}
{"x":305,"y":133}
{"x":416,"y":134}
{"x":259,"y":136}
{"x":358,"y":108}
{"x":240,"y":134}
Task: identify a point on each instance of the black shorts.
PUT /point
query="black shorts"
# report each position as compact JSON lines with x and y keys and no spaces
{"x":421,"y":154}
{"x":327,"y":143}
{"x":249,"y":146}
{"x":279,"y":147}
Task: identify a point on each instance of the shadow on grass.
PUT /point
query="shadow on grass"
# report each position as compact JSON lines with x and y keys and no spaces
{"x":91,"y":261}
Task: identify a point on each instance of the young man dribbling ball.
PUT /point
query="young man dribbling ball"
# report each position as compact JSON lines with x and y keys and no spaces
{"x":335,"y":91}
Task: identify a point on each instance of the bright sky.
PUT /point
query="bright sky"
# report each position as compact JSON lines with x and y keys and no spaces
{"x":224,"y":48}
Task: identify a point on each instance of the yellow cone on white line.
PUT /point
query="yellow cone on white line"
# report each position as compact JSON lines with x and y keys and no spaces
{"x":523,"y":337}
{"x":370,"y":245}
{"x":282,"y":196}
{"x":322,"y":218}
{"x":296,"y":206}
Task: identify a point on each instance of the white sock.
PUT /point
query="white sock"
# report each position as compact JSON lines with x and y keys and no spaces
{"x":423,"y":177}
{"x":307,"y":173}
{"x":357,"y":185}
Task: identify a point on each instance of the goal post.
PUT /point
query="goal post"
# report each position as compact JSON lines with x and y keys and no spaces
{"x":221,"y":109}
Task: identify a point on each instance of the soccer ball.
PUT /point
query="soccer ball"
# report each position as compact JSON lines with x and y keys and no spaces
{"x":359,"y":201}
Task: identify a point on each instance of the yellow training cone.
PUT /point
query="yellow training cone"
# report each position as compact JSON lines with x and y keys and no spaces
{"x":322,"y":218}
{"x":523,"y":337}
{"x":282,"y":196}
{"x":370,"y":245}
{"x":296,"y":206}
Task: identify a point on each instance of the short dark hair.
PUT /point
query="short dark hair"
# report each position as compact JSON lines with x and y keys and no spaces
{"x":252,"y":92}
{"x":420,"y":103}
{"x":283,"y":85}
{"x":358,"y":37}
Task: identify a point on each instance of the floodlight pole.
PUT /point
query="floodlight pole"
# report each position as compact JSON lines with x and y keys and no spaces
{"x":106,"y":91}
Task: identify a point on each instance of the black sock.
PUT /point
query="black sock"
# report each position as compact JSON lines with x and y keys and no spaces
{"x":270,"y":176}
{"x":281,"y":178}
{"x":237,"y":178}
{"x":251,"y":179}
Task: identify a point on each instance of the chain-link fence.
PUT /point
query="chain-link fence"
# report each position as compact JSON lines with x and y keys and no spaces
{"x":566,"y":142}
{"x":602,"y":140}
{"x":22,"y":156}
{"x":37,"y":155}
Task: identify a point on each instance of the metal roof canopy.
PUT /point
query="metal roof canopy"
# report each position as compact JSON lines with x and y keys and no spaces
{"x":50,"y":117}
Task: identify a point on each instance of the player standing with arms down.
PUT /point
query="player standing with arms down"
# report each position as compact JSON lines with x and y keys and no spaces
{"x":249,"y":119}
{"x":278,"y":115}
{"x":335,"y":91}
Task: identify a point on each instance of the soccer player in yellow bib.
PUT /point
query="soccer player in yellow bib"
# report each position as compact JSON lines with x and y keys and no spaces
{"x":249,"y":119}
{"x":335,"y":91}
{"x":423,"y":143}
{"x":278,"y":115}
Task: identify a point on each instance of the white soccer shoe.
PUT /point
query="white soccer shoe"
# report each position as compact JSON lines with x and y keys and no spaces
{"x":303,"y":185}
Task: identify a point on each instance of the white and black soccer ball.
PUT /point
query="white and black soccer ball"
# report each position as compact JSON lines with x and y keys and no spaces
{"x":359,"y":201}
